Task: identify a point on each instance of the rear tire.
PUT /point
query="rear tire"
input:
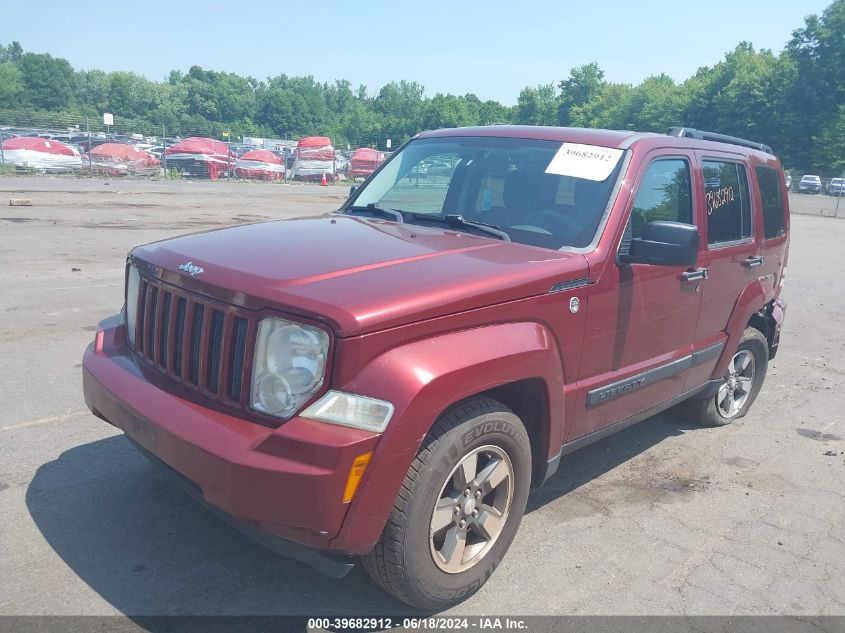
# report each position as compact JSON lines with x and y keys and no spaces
{"x":442,"y":543}
{"x":741,"y":384}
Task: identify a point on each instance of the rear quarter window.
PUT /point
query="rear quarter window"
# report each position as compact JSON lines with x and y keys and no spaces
{"x":768,"y":181}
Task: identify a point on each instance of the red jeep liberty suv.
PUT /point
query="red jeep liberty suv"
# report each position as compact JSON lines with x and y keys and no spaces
{"x":387,"y":381}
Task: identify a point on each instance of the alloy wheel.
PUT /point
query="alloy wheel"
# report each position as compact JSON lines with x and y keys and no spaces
{"x":471,"y":509}
{"x":739,"y":380}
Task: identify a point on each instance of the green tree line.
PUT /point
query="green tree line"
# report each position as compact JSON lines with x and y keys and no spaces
{"x":793,"y":101}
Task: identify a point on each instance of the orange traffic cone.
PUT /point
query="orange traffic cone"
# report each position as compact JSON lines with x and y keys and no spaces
{"x":323,"y":182}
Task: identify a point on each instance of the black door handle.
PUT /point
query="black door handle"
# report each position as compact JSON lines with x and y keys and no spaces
{"x":695,"y":275}
{"x":751,"y":262}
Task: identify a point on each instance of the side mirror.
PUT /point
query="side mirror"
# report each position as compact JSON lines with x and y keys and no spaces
{"x":664,"y":244}
{"x":353,"y":189}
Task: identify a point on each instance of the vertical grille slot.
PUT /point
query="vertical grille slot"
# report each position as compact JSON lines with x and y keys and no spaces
{"x":142,"y":305}
{"x":149,"y":343}
{"x":215,"y":347}
{"x":236,"y":361}
{"x":196,"y":337}
{"x":178,"y":336}
{"x":164,"y":330}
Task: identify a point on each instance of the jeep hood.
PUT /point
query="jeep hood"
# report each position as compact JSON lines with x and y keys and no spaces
{"x":358,"y":275}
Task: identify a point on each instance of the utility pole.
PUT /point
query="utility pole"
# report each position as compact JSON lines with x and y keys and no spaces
{"x":90,"y":162}
{"x":164,"y":150}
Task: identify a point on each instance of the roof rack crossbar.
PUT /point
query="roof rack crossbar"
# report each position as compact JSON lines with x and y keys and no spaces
{"x":688,"y":132}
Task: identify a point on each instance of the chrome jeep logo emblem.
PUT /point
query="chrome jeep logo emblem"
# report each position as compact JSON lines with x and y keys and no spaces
{"x":192,"y":270}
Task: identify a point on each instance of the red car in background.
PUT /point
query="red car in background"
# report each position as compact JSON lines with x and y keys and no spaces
{"x":200,"y":157}
{"x":364,"y":162}
{"x":260,"y":164}
{"x":313,"y":159}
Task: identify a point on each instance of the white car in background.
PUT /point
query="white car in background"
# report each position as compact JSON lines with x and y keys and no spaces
{"x":810,"y":184}
{"x":836,"y":187}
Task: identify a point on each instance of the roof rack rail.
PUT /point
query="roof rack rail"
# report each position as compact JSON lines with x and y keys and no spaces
{"x":688,"y":132}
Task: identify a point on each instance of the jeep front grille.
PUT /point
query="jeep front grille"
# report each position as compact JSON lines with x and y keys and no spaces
{"x":197,"y":342}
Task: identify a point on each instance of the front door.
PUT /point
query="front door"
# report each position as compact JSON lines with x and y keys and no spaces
{"x":641,"y":318}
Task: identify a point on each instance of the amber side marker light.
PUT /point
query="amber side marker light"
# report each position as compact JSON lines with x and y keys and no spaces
{"x":355,"y":475}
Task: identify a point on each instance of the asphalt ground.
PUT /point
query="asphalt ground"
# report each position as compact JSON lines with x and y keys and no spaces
{"x":663,"y":518}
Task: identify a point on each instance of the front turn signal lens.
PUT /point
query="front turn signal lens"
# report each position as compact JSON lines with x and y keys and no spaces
{"x":355,"y":475}
{"x":352,"y":410}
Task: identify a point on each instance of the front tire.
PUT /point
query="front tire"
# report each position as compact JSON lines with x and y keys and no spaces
{"x":740,"y":385}
{"x":458,"y":509}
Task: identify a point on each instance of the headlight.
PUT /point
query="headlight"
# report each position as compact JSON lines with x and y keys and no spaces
{"x":133,"y":281}
{"x":349,"y":409}
{"x":289,"y":366}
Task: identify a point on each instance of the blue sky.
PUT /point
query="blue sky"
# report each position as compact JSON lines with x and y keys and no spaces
{"x":490,"y":48}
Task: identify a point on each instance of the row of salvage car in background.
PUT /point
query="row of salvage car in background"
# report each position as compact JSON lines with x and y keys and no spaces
{"x":311,"y":158}
{"x":814,"y":184}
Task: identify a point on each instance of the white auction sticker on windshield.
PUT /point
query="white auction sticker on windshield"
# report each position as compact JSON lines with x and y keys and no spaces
{"x":590,"y":162}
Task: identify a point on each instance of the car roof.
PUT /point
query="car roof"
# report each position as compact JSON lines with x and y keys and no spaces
{"x":589,"y":136}
{"x":620,"y":139}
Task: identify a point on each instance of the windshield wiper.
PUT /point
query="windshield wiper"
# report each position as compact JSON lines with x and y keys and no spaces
{"x":393,"y":214}
{"x":458,"y":221}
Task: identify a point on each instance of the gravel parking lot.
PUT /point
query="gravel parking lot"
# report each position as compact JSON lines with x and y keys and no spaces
{"x":664,"y":518}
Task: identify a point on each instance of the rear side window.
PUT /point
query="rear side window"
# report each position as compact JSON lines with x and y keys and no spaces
{"x":728,"y":206}
{"x":769,"y":182}
{"x":664,"y":194}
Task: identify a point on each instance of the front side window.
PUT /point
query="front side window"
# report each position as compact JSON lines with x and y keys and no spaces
{"x":769,"y":183}
{"x":424,"y":186}
{"x":728,"y":205}
{"x":664,"y":193}
{"x":507,"y":183}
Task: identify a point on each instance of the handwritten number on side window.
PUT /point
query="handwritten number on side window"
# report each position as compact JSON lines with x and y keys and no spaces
{"x":718,"y":198}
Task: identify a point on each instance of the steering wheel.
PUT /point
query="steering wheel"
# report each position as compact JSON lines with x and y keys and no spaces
{"x":554,"y":222}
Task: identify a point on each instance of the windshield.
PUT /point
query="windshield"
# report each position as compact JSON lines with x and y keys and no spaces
{"x":508,"y":183}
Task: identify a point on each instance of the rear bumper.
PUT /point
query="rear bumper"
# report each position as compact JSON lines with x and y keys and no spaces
{"x":279,"y":483}
{"x":777,"y":312}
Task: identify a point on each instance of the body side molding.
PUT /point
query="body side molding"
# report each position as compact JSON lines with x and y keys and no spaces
{"x":708,"y":388}
{"x":625,"y":386}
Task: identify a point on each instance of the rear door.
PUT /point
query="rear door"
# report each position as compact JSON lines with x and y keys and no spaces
{"x":732,"y":250}
{"x":641,"y":318}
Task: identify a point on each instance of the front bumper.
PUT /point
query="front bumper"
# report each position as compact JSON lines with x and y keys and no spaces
{"x":334,"y":566}
{"x":283,"y":483}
